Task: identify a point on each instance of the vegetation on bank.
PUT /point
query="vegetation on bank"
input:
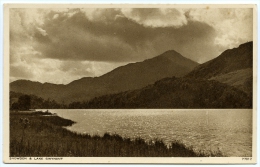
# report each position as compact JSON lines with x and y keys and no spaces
{"x":42,"y":134}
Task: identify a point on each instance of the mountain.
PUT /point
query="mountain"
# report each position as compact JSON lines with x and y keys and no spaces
{"x":124,"y":78}
{"x":223,"y":82}
{"x":176,"y":93}
{"x":230,"y":60}
{"x":46,"y":90}
{"x":233,"y":67}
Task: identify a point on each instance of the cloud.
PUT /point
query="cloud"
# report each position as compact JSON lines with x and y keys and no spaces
{"x":42,"y":31}
{"x":59,"y":72}
{"x":55,"y":16}
{"x":233,"y":25}
{"x":118,"y":39}
{"x":60,"y":45}
{"x":156,"y":17}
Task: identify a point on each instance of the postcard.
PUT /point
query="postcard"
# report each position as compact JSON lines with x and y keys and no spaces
{"x":126,"y":83}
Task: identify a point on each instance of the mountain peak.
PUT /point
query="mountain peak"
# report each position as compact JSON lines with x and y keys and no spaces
{"x":173,"y":56}
{"x":170,"y":54}
{"x":128,"y":77}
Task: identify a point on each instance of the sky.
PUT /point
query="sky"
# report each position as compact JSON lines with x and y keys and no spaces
{"x":64,"y":44}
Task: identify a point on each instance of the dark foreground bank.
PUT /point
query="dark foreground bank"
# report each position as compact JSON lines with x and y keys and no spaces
{"x":42,"y":134}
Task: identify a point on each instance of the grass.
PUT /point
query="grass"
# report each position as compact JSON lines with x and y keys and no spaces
{"x":43,"y":135}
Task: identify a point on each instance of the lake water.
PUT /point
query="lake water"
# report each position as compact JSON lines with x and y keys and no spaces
{"x":230,"y":131}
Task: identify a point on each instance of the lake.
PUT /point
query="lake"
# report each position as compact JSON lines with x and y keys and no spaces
{"x":230,"y":131}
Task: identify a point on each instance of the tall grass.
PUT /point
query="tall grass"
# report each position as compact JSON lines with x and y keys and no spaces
{"x":44,"y":136}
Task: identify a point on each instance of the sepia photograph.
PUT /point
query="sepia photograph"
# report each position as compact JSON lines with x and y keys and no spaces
{"x":130,"y":83}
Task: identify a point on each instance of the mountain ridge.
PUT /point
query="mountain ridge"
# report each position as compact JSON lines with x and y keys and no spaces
{"x":223,"y":82}
{"x":225,"y":63}
{"x":234,"y":63}
{"x":128,"y":77}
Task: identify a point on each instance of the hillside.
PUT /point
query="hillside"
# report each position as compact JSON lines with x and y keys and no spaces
{"x":241,"y":79}
{"x":229,"y":61}
{"x":177,"y":93}
{"x":233,"y":67}
{"x":124,"y":78}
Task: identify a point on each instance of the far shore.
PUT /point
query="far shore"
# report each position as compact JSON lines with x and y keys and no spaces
{"x":34,"y":134}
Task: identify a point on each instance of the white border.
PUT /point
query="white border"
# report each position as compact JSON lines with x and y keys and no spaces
{"x":132,"y":2}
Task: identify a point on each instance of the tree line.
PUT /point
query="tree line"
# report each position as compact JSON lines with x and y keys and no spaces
{"x":19,"y":101}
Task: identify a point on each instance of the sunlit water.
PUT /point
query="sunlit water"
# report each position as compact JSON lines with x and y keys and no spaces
{"x":230,"y":131}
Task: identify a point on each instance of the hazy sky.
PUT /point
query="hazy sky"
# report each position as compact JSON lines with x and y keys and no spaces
{"x":61,"y":45}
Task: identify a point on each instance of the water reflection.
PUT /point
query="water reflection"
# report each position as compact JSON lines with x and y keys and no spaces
{"x":227,"y":130}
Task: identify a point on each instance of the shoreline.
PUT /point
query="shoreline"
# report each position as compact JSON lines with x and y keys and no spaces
{"x":34,"y":134}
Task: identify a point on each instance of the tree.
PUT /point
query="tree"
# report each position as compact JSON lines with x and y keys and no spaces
{"x":14,"y":106}
{"x":24,"y":102}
